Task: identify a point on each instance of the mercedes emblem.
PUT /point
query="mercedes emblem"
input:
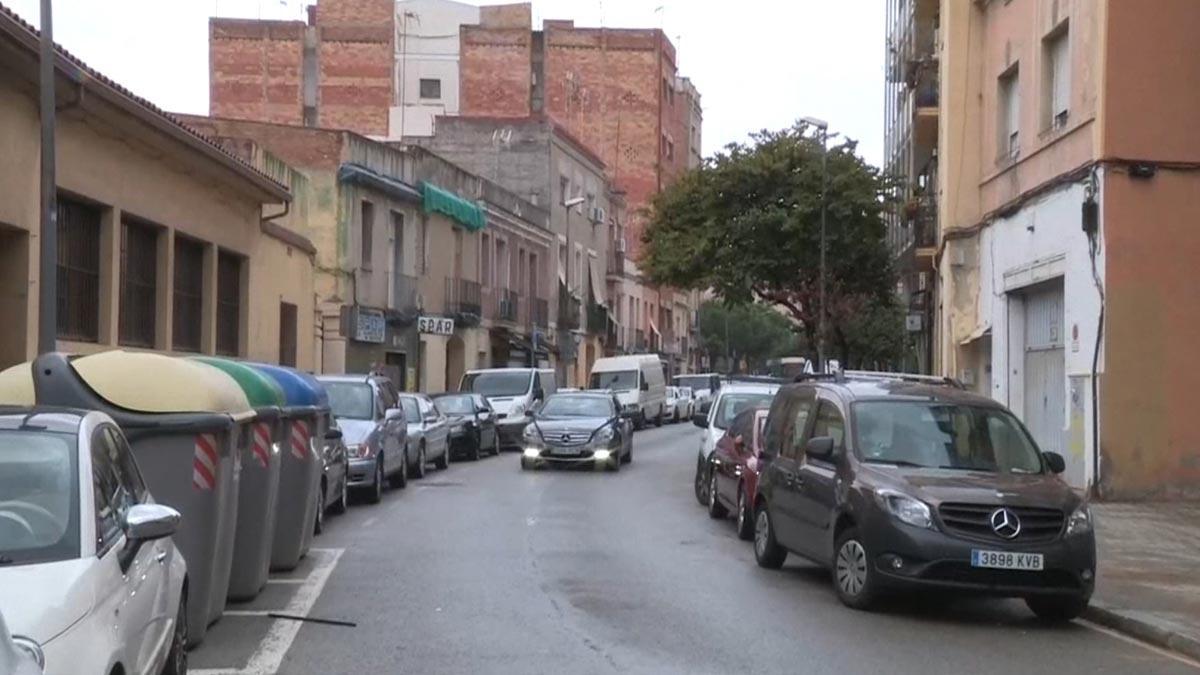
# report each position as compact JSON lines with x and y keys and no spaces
{"x":1005,"y":523}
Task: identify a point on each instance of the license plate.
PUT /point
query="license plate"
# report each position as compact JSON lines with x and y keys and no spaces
{"x":1006,"y":560}
{"x":564,"y":451}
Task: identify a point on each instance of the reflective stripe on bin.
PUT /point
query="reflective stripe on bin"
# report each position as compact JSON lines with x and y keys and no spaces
{"x":300,"y":436}
{"x":204,"y":462}
{"x":262,"y":444}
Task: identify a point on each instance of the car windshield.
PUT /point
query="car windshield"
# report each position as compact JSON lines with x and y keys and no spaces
{"x":693,"y":381}
{"x":622,"y":380}
{"x":39,"y":497}
{"x":946,"y":436}
{"x":350,"y":400}
{"x":455,"y":405}
{"x":500,"y":383}
{"x":735,"y":402}
{"x":577,"y":406}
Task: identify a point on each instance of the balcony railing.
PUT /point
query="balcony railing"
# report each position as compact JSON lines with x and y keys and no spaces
{"x":464,"y":297}
{"x":925,"y":224}
{"x":507,"y":305}
{"x":597,"y":319}
{"x":539,"y":313}
{"x":616,"y":262}
{"x":405,"y":290}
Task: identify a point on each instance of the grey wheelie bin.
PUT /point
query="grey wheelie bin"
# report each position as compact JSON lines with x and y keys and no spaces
{"x":305,"y":418}
{"x":259,"y":484}
{"x":186,"y":423}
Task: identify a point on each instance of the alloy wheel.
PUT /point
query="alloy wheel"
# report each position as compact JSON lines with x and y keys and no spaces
{"x":762,"y":532}
{"x":712,"y":490}
{"x":378,"y":480}
{"x":851,"y":567}
{"x":741,"y":507}
{"x":180,"y":657}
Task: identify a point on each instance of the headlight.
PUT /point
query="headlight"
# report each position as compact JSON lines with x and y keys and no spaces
{"x":33,"y":649}
{"x":517,"y":409}
{"x":906,"y":509}
{"x":604,"y":435}
{"x":532,"y":453}
{"x":1080,"y":521}
{"x":601,"y":455}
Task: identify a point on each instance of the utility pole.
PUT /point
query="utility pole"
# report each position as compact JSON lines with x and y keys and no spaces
{"x":48,"y":268}
{"x":823,"y":127}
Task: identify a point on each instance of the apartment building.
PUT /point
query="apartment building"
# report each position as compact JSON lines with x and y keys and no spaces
{"x":165,"y":241}
{"x":1066,"y":250}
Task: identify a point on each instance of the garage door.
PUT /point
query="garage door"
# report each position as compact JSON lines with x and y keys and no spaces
{"x":1045,"y":368}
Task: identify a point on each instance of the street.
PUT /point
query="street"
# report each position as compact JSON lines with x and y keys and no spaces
{"x":487,"y":569}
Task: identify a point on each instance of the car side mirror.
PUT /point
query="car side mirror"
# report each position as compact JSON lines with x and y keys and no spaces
{"x":705,"y":407}
{"x":392,"y":413}
{"x":820,"y":447}
{"x":700,"y":419}
{"x":333,"y":435}
{"x":147,"y":522}
{"x":1055,"y":462}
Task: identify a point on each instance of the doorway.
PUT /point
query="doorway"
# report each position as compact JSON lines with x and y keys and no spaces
{"x":1045,"y":382}
{"x":456,"y":355}
{"x":396,"y":367}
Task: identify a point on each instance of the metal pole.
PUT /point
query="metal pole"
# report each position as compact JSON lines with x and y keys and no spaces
{"x":824,"y":208}
{"x":48,"y":268}
{"x":567,"y":287}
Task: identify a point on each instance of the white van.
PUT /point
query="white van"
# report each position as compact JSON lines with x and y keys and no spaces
{"x":639,"y":383}
{"x":510,"y":391}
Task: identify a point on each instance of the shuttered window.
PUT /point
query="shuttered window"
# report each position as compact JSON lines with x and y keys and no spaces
{"x":78,"y":271}
{"x":287,"y":334}
{"x":229,"y":303}
{"x":188,"y":301}
{"x":139,"y":283}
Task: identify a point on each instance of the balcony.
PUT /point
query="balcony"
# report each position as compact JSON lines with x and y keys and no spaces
{"x":505,"y":305}
{"x":464,"y":298}
{"x":616,"y":263}
{"x":639,"y":341}
{"x":597,"y":319}
{"x":539,"y":313}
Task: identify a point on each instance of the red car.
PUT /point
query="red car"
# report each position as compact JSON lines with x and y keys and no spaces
{"x":734,"y":470}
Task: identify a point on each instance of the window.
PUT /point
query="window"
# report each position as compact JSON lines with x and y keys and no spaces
{"x":830,"y":423}
{"x":1056,"y":94}
{"x":367,"y":233}
{"x":139,"y":281}
{"x":229,"y":303}
{"x":127,"y":470}
{"x":112,"y":501}
{"x":287,"y":334}
{"x":794,"y":425}
{"x":189,"y":294}
{"x":431,"y":88}
{"x":78,"y":271}
{"x":1010,"y":113}
{"x":423,"y":246}
{"x":397,"y":242}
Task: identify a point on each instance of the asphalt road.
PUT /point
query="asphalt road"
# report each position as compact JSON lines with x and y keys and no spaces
{"x":486,"y":569}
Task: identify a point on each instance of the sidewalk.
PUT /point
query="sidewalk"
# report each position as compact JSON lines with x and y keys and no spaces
{"x":1148,"y":583}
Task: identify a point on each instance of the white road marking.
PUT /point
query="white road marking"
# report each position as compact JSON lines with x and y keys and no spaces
{"x":1182,"y":658}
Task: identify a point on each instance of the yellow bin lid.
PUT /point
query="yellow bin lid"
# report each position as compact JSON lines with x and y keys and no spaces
{"x":16,"y":385}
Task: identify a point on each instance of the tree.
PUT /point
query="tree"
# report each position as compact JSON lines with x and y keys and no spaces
{"x":750,"y":333}
{"x":747,"y":225}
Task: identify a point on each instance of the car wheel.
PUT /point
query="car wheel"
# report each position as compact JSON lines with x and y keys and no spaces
{"x":376,"y":493}
{"x":421,"y":461}
{"x":319,"y":519}
{"x":701,"y":485}
{"x":627,"y":458}
{"x":745,"y":519}
{"x":443,"y":461}
{"x":400,"y":480}
{"x":853,"y":577}
{"x":716,"y":510}
{"x":767,"y":552}
{"x":658,"y":421}
{"x":475,"y":450}
{"x":614,"y":464}
{"x":177,"y":659}
{"x":339,"y":507}
{"x":525,"y":464}
{"x":1055,"y":609}
{"x":495,"y":444}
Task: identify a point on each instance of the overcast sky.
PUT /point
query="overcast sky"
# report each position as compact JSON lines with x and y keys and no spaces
{"x":758,"y":63}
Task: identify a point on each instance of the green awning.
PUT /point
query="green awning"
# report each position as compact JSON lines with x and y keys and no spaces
{"x":464,"y":211}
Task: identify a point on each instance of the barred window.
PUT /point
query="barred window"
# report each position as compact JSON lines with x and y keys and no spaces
{"x":287,"y":334}
{"x":229,"y":303}
{"x":78,"y":271}
{"x":139,"y":282}
{"x":188,"y":302}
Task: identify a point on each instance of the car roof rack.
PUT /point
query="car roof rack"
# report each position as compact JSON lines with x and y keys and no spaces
{"x":759,"y":379}
{"x":905,"y":377}
{"x":835,"y":376}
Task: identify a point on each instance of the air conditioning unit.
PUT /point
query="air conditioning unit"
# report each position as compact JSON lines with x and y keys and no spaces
{"x":621,"y":245}
{"x":598,"y":215}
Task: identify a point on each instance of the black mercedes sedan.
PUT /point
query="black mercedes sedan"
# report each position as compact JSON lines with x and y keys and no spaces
{"x":472,"y":423}
{"x":578,"y":428}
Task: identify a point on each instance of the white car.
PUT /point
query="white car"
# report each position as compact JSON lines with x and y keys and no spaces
{"x":90,"y":579}
{"x":732,"y":398}
{"x":18,"y":655}
{"x":679,"y":404}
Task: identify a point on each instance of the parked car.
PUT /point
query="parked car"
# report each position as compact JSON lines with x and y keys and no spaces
{"x":511,"y":392}
{"x":335,"y":476}
{"x":732,"y":398}
{"x":639,"y":384}
{"x":428,"y":433}
{"x":472,"y":424}
{"x":688,"y":396}
{"x":704,"y":386}
{"x":734,"y":470}
{"x":19,"y":655}
{"x":584,"y":428}
{"x":679,"y":404}
{"x":89,"y":576}
{"x":897,"y":483}
{"x":373,"y":429}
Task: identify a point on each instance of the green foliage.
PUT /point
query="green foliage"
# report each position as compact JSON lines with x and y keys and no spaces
{"x":749,"y":333}
{"x":747,"y":225}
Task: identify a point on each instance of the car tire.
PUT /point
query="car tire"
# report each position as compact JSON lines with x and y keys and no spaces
{"x":376,"y":494}
{"x":716,"y":510}
{"x":496,"y":444}
{"x":422,"y":460}
{"x":627,"y":458}
{"x":339,"y":507}
{"x":639,"y":422}
{"x":443,"y":462}
{"x":1056,"y":609}
{"x":745,"y":517}
{"x":400,"y":480}
{"x":475,"y":450}
{"x":767,"y":551}
{"x":525,"y":466}
{"x":658,"y":421}
{"x":614,"y":464}
{"x":701,"y":483}
{"x":177,"y":658}
{"x":853,"y":575}
{"x":319,"y":518}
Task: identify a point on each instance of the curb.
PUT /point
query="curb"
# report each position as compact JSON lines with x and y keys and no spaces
{"x":1142,"y":629}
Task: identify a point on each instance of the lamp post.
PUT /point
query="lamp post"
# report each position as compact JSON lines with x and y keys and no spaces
{"x":823,"y":127}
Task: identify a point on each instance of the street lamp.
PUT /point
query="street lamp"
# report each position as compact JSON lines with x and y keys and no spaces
{"x":823,"y":127}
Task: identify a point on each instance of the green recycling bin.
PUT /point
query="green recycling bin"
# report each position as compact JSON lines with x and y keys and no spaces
{"x":188,"y":424}
{"x":258,"y":490}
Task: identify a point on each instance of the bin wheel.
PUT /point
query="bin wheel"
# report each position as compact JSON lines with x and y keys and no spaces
{"x":421,"y":460}
{"x":319,"y":519}
{"x":376,"y":494}
{"x":339,"y":507}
